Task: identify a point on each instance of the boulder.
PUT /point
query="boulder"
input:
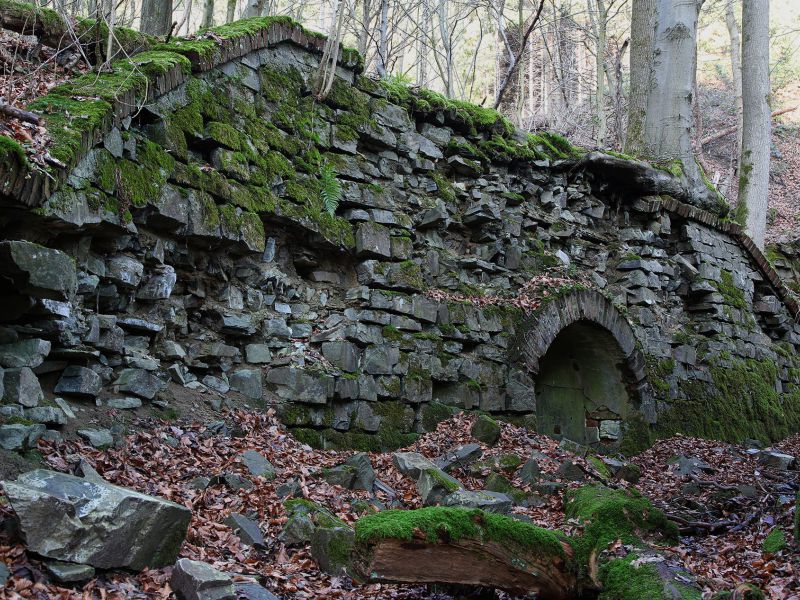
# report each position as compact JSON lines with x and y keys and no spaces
{"x":48,"y":415}
{"x":530,"y":471}
{"x":364,"y":473}
{"x":95,"y":523}
{"x":411,"y":464}
{"x":330,"y":547}
{"x":570,"y":471}
{"x":247,"y":382}
{"x":18,"y":436}
{"x":38,"y":271}
{"x":79,"y":381}
{"x":99,"y":438}
{"x":434,"y":485}
{"x":247,"y":530}
{"x":776,"y":460}
{"x":195,"y":580}
{"x":21,"y":386}
{"x":24,"y":353}
{"x":459,"y":457}
{"x":139,"y":383}
{"x":486,"y":430}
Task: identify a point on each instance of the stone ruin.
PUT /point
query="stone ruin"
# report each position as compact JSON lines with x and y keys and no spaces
{"x":465,"y":267}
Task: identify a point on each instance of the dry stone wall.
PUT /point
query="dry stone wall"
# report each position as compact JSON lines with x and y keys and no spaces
{"x":191,"y":247}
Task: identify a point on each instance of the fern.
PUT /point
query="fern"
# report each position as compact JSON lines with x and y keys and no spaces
{"x":330,"y":189}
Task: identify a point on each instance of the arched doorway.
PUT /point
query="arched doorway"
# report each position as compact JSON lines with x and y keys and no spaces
{"x":581,"y":392}
{"x":589,"y":373}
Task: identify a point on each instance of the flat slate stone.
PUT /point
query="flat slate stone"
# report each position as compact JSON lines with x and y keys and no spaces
{"x":65,"y":572}
{"x":258,"y":465}
{"x":247,"y":530}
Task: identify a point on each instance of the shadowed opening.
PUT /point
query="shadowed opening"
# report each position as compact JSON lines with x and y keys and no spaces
{"x":581,"y":391}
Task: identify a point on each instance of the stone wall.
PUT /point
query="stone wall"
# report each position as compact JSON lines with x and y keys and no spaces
{"x":191,"y":246}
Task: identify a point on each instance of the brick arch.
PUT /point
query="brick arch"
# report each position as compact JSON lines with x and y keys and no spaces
{"x":587,"y":306}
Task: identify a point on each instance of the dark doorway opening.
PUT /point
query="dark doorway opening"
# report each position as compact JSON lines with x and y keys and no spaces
{"x":581,"y":388}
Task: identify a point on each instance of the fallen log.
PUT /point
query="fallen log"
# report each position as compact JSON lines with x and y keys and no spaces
{"x":731,"y":130}
{"x":470,"y":547}
{"x":18,"y":113}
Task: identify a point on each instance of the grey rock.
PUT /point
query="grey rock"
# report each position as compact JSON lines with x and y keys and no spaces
{"x":252,"y":591}
{"x":373,"y":240}
{"x":64,"y":406}
{"x":257,"y":353}
{"x":217,"y":384}
{"x":459,"y":457}
{"x":298,"y":528}
{"x":411,"y":464}
{"x":298,"y":385}
{"x":20,"y":437}
{"x":124,"y":271}
{"x":25,"y":353}
{"x":65,"y":572}
{"x":75,"y":520}
{"x":341,"y":354}
{"x":434,"y":485}
{"x":195,"y":580}
{"x":258,"y":465}
{"x":21,"y":386}
{"x":330,"y":548}
{"x":247,"y":530}
{"x":236,"y":482}
{"x":530,"y":471}
{"x":364,"y":473}
{"x":99,"y":438}
{"x":486,"y":430}
{"x":489,"y":501}
{"x":47,"y":415}
{"x":247,"y":382}
{"x":341,"y":475}
{"x":38,"y":271}
{"x":158,"y":287}
{"x":776,"y":460}
{"x":79,"y":381}
{"x":128,"y":403}
{"x":570,"y":471}
{"x":689,"y":465}
{"x":4,"y":574}
{"x":140,"y":383}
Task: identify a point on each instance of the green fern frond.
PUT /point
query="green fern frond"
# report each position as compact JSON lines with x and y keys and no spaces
{"x":330,"y":189}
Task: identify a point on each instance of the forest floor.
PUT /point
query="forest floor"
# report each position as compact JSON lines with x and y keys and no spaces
{"x":726,"y":508}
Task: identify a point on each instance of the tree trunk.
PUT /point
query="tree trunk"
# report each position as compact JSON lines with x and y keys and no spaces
{"x":208,"y":14}
{"x":600,"y":70}
{"x":383,"y":40}
{"x":643,"y":18}
{"x":736,"y":76}
{"x":156,"y":17}
{"x":230,"y":13}
{"x":668,"y":121}
{"x":255,"y":8}
{"x":756,"y":134}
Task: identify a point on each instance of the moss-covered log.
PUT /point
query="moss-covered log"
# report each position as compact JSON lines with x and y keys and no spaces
{"x":470,"y":547}
{"x":461,"y":546}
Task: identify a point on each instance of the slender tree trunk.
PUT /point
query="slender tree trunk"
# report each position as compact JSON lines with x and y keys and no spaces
{"x":756,"y":130}
{"x":255,"y":8}
{"x":230,"y":13}
{"x":422,"y":46}
{"x":208,"y":13}
{"x":383,"y":40}
{"x":736,"y":76}
{"x":444,"y":32}
{"x":643,"y":18}
{"x":156,"y":17}
{"x":600,"y":69}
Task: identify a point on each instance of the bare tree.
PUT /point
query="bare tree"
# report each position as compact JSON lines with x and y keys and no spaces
{"x":736,"y":76}
{"x":756,"y":134}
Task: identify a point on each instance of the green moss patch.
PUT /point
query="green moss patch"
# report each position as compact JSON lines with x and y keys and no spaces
{"x":441,"y":524}
{"x":774,"y":542}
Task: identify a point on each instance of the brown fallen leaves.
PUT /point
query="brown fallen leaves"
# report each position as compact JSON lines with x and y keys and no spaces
{"x":163,"y":459}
